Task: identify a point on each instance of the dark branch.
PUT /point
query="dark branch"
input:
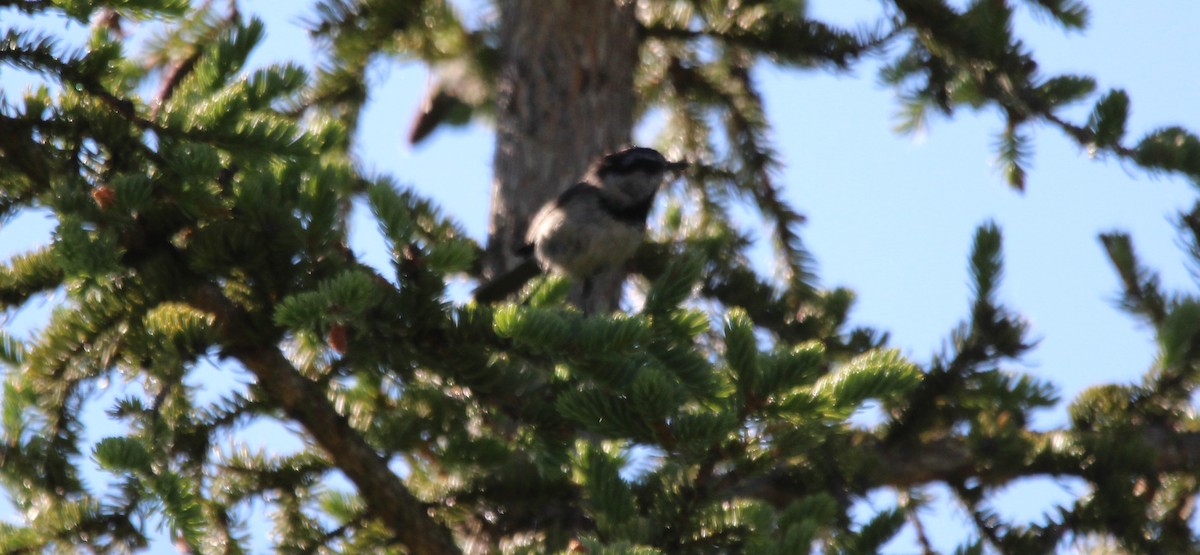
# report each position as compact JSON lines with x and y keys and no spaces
{"x":303,"y":401}
{"x":953,"y":460}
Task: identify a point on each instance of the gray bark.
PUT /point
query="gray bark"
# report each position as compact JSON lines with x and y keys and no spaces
{"x":565,"y":97}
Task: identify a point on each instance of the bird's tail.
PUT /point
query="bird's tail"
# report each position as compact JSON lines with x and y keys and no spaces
{"x":507,"y":283}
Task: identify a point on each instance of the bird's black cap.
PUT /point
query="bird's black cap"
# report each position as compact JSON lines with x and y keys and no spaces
{"x":637,"y":159}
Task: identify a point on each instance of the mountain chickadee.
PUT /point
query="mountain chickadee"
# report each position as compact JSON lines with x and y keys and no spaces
{"x":596,"y":225}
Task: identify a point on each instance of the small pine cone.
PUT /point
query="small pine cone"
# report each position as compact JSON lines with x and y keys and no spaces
{"x":104,"y":196}
{"x":337,"y":338}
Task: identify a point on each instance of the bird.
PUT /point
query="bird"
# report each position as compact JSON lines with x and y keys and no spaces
{"x":592,"y":228}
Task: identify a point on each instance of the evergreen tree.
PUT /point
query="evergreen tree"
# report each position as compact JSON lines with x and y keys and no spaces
{"x":201,"y":213}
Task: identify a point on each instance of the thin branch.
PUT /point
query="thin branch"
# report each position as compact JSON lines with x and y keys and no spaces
{"x":182,"y":68}
{"x":922,"y":536}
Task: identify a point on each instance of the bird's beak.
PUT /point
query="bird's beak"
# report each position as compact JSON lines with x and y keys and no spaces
{"x":677,"y":166}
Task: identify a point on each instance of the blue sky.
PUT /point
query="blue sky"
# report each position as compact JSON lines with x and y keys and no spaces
{"x":889,"y":216}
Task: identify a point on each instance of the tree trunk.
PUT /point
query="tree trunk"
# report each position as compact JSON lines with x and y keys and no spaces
{"x":565,"y":96}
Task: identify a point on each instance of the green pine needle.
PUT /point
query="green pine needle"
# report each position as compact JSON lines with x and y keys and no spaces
{"x":1108,"y":118}
{"x":881,"y":374}
{"x":987,"y":262}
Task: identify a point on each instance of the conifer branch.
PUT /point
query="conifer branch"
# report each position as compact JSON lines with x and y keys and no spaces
{"x":183,"y":67}
{"x":972,"y":58}
{"x":303,"y":401}
{"x":956,"y":459}
{"x":801,"y":41}
{"x":736,"y":285}
{"x":747,"y":129}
